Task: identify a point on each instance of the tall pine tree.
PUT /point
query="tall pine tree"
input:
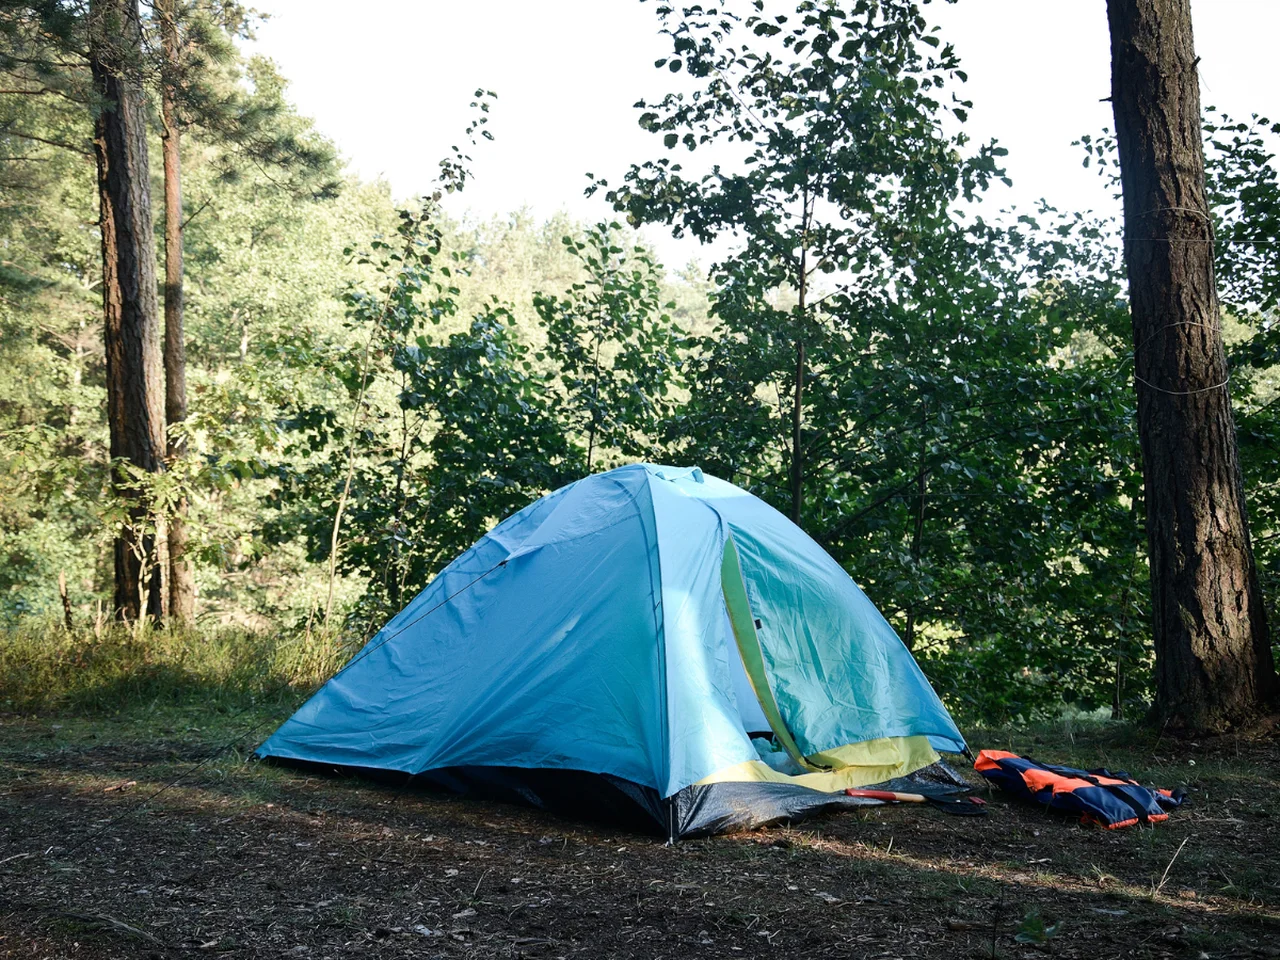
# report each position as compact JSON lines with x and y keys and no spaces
{"x":1214,"y":666}
{"x":131,"y":312}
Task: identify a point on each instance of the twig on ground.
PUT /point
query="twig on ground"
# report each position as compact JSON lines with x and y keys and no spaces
{"x":114,"y":924}
{"x":1164,"y":878}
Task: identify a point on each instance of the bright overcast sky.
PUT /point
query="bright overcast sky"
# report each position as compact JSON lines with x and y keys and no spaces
{"x":389,"y":81}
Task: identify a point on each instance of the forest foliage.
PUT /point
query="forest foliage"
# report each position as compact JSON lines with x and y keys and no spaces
{"x":940,"y":392}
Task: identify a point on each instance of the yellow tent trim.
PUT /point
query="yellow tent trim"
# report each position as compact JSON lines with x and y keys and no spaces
{"x":853,"y":765}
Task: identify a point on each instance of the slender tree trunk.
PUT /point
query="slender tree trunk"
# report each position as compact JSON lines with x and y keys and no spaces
{"x":135,"y":412}
{"x":357,"y":415}
{"x":182,"y":587}
{"x":66,"y":602}
{"x":917,"y":535}
{"x":1214,"y":667}
{"x":595,"y":400}
{"x":395,"y":578}
{"x":797,"y":404}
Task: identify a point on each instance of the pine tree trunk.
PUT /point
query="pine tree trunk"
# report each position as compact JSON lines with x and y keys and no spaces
{"x":1214,"y":667}
{"x":182,"y":587}
{"x":130,"y":307}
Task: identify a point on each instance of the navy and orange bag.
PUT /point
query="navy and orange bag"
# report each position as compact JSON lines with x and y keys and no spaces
{"x":1113,"y":800}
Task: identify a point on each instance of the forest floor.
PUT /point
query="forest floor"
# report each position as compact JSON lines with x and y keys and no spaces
{"x":240,"y":859}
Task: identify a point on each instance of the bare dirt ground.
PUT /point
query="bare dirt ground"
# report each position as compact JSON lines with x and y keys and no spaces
{"x":244,"y":860}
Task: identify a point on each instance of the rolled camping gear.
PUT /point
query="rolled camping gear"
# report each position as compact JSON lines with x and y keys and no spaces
{"x":1109,"y":799}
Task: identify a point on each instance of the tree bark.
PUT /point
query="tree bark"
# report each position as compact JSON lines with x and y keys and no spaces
{"x":182,"y":587}
{"x":1213,"y":667}
{"x":130,"y":306}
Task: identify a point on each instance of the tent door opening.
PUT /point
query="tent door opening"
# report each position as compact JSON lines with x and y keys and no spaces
{"x":754,"y":722}
{"x":758,"y":694}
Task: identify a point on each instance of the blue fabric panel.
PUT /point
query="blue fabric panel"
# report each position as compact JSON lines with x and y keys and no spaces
{"x":705,"y":727}
{"x":549,"y":660}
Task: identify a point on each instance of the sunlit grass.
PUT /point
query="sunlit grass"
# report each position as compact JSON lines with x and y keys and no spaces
{"x":45,"y":668}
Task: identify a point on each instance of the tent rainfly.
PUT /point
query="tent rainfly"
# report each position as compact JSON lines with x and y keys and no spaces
{"x":651,"y":646}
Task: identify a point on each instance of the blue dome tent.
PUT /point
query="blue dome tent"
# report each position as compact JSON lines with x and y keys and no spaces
{"x":649,"y":640}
